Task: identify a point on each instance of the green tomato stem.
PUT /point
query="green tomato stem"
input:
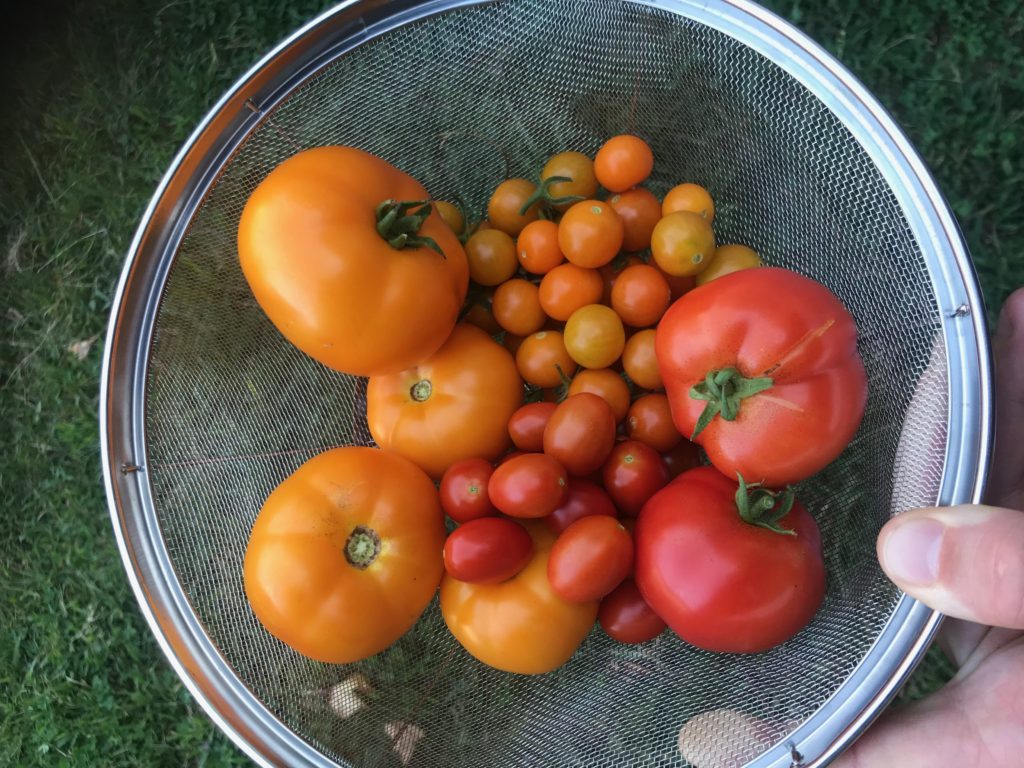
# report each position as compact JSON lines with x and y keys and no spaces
{"x":399,"y":224}
{"x":762,"y":507}
{"x":724,"y":390}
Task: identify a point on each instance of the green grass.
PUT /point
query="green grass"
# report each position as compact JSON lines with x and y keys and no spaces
{"x":99,"y":97}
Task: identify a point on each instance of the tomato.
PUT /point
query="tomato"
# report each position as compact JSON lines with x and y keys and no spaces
{"x":328,"y":280}
{"x":640,"y":361}
{"x":582,"y":499}
{"x":503,"y":209}
{"x":594,"y":336}
{"x":625,"y":615}
{"x":463,"y":490}
{"x":345,"y":554}
{"x":640,"y":295}
{"x":521,"y":625}
{"x":604,"y":383}
{"x":590,"y":558}
{"x":526,"y":425}
{"x":537,"y":247}
{"x":531,"y":485}
{"x":779,"y":386}
{"x":650,"y":421}
{"x":455,"y":405}
{"x":640,"y":211}
{"x":729,"y":259}
{"x":580,"y":433}
{"x":633,"y":473}
{"x":684,"y":456}
{"x":570,"y":165}
{"x":487,"y":551}
{"x":516,"y":307}
{"x":590,"y":233}
{"x":678,"y":284}
{"x":492,"y":257}
{"x":479,"y":311}
{"x":451,"y":215}
{"x":511,"y":342}
{"x":623,"y":162}
{"x":509,"y":456}
{"x":723,"y":583}
{"x":689,"y":197}
{"x":541,"y":356}
{"x":683,"y":243}
{"x":610,"y":273}
{"x":566,"y":288}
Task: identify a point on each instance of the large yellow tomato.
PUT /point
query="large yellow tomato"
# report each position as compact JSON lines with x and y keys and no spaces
{"x":345,"y":554}
{"x":350,"y":282}
{"x":520,"y":625}
{"x":454,"y":405}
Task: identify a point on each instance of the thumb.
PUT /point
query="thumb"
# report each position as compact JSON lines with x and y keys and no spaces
{"x":965,"y":561}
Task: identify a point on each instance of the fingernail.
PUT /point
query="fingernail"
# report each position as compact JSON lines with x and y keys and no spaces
{"x":910,"y":554}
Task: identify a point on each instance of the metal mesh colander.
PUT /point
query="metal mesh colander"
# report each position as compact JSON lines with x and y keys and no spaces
{"x":206,"y":408}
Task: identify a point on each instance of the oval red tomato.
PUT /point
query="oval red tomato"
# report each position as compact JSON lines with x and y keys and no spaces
{"x":463,"y":490}
{"x":580,"y":433}
{"x":625,"y":615}
{"x":531,"y":485}
{"x":632,"y":474}
{"x":487,"y":551}
{"x":526,"y":425}
{"x":582,"y":499}
{"x":720,"y":582}
{"x":590,"y":558}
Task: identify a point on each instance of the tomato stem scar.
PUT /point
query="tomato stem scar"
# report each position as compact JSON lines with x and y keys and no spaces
{"x":421,"y":390}
{"x":362,"y":547}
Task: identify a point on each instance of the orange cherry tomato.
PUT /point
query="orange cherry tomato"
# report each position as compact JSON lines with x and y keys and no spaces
{"x":623,"y":162}
{"x":479,"y":311}
{"x":451,"y":215}
{"x":345,"y":554}
{"x":511,"y":342}
{"x":537,"y":247}
{"x":590,"y":233}
{"x":640,"y":295}
{"x":575,"y":166}
{"x":520,"y":625}
{"x":594,"y":336}
{"x":541,"y":355}
{"x":517,"y":307}
{"x":526,"y":425}
{"x":332,"y":285}
{"x":689,"y":197}
{"x":639,"y":360}
{"x":729,"y":259}
{"x":566,"y":288}
{"x":590,"y":559}
{"x":683,"y":243}
{"x":453,"y":406}
{"x":506,"y":202}
{"x":640,"y":211}
{"x":650,"y":421}
{"x":580,"y":433}
{"x":606,"y":384}
{"x":492,"y":257}
{"x":610,"y":273}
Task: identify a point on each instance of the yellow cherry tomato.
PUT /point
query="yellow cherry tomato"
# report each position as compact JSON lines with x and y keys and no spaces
{"x":729,"y":259}
{"x":594,"y":336}
{"x":689,"y":197}
{"x":682,"y":243}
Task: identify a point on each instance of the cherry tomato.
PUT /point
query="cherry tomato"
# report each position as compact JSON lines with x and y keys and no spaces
{"x":463,"y":490}
{"x":509,"y":456}
{"x":516,"y":307}
{"x":580,"y":433}
{"x":640,"y":295}
{"x":683,"y":243}
{"x":639,"y":360}
{"x":633,"y":473}
{"x":526,"y":426}
{"x":720,"y":582}
{"x":531,"y":485}
{"x":575,"y":166}
{"x":625,"y":615}
{"x":511,"y":342}
{"x":679,"y":284}
{"x":590,"y":233}
{"x":487,"y":551}
{"x":689,"y":197}
{"x":623,"y":162}
{"x":729,"y":259}
{"x":492,"y":257}
{"x":566,"y":288}
{"x":650,"y":421}
{"x":537,"y":247}
{"x":541,"y":355}
{"x":610,"y":273}
{"x":684,"y":456}
{"x":604,"y":383}
{"x":594,"y":336}
{"x":640,"y":211}
{"x":506,"y":202}
{"x":451,"y":215}
{"x":479,"y":311}
{"x":590,"y":558}
{"x":582,"y":499}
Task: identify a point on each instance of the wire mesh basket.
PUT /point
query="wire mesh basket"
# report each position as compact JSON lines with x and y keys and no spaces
{"x":205,"y":408}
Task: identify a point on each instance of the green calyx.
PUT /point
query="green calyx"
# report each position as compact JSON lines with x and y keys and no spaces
{"x":759,"y":506}
{"x":399,"y":224}
{"x":724,"y":390}
{"x":543,"y":196}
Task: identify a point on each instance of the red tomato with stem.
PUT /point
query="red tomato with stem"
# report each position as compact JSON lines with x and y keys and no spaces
{"x":625,"y":615}
{"x":729,"y":567}
{"x":580,"y":433}
{"x":633,"y":473}
{"x":582,"y":499}
{"x":531,"y":485}
{"x":463,"y":490}
{"x":590,"y":558}
{"x":487,"y":551}
{"x":526,"y":426}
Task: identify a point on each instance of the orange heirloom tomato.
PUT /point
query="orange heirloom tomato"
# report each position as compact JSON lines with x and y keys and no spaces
{"x":566,"y":288}
{"x":537,"y":247}
{"x":346,"y":554}
{"x":570,"y":165}
{"x":590,"y":233}
{"x":453,"y":406}
{"x":689,"y":197}
{"x":332,"y":284}
{"x":623,"y":162}
{"x":683,"y":243}
{"x":541,"y":355}
{"x":606,"y":384}
{"x":517,"y":307}
{"x":520,"y":625}
{"x":506,"y":202}
{"x":640,"y":211}
{"x":729,"y":259}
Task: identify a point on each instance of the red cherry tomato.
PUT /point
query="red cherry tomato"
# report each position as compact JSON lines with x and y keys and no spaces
{"x":526,"y":425}
{"x":509,"y":456}
{"x":684,"y":456}
{"x":581,"y":433}
{"x":487,"y":551}
{"x":582,"y":499}
{"x":531,"y":485}
{"x":625,"y":615}
{"x":463,"y":490}
{"x":633,"y":473}
{"x":649,"y":420}
{"x":590,"y":558}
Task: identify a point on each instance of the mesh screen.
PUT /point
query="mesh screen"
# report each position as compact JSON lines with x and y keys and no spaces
{"x":459,"y":101}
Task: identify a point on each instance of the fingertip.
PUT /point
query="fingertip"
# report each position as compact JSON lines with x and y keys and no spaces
{"x":1011,"y":317}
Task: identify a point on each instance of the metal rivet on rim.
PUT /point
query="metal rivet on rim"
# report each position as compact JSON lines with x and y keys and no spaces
{"x":962,"y":311}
